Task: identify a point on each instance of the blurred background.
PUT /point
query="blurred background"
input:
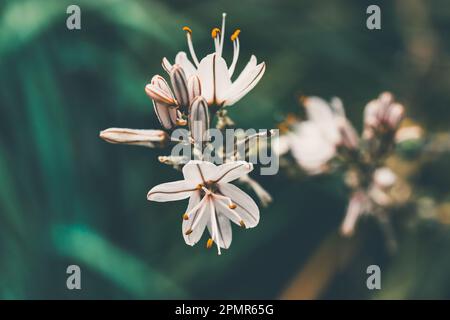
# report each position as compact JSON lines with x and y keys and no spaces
{"x":67,"y":197}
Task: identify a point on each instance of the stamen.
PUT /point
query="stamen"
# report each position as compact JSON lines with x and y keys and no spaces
{"x":219,"y":196}
{"x":232,"y":206}
{"x":222,"y":34}
{"x":235,"y":34}
{"x":199,"y":186}
{"x":209,"y":243}
{"x":189,"y":232}
{"x":181,"y":122}
{"x":215,"y":32}
{"x":214,"y":227}
{"x":190,"y":45}
{"x":194,"y":209}
{"x":235,"y":54}
{"x":233,"y":212}
{"x":200,"y":214}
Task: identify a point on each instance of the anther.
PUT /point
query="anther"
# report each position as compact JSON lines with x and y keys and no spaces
{"x":185,"y":217}
{"x":209,"y":243}
{"x":235,"y":34}
{"x":188,"y":232}
{"x":199,"y":186}
{"x":232,"y":206}
{"x":242,"y":224}
{"x":181,"y":122}
{"x":215,"y":32}
{"x":187,"y":29}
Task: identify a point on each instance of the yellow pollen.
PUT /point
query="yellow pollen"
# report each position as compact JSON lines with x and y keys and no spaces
{"x":215,"y":32}
{"x":185,"y":217}
{"x":187,"y":29}
{"x":209,"y":243}
{"x":235,"y":34}
{"x":199,"y":187}
{"x":242,"y":224}
{"x":181,"y":122}
{"x":188,"y":232}
{"x":232,"y":206}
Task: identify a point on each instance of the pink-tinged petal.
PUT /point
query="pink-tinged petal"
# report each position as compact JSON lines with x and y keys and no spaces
{"x":166,"y":113}
{"x":248,"y":79}
{"x":194,"y":227}
{"x":245,"y":206}
{"x":354,"y":210}
{"x":180,"y":86}
{"x":159,"y":95}
{"x":214,"y":77}
{"x":188,"y":67}
{"x":199,"y":171}
{"x":167,"y":116}
{"x":194,"y":87}
{"x":309,"y":147}
{"x":167,"y":66}
{"x":205,"y":73}
{"x":231,"y":171}
{"x":199,"y":119}
{"x":321,"y":113}
{"x":171,"y":191}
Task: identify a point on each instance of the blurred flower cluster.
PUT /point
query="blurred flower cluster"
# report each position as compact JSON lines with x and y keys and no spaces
{"x":327,"y":142}
{"x":198,"y":91}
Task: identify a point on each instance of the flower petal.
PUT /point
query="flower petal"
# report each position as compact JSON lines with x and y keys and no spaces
{"x":214,"y":77}
{"x":167,"y":115}
{"x":167,"y":66}
{"x":232,"y":170}
{"x":194,"y":87}
{"x":224,"y":231}
{"x":171,"y":191}
{"x":320,"y":112}
{"x":202,"y":213}
{"x":180,"y":86}
{"x":246,"y":81}
{"x":245,"y":206}
{"x":182,"y":60}
{"x":354,"y":210}
{"x":199,"y":119}
{"x":308,"y":146}
{"x":199,"y":171}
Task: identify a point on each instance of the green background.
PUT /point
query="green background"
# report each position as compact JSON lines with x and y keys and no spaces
{"x":67,"y":197}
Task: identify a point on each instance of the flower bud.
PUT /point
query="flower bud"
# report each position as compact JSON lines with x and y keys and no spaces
{"x":180,"y":86}
{"x":163,"y":101}
{"x":199,"y":119}
{"x":194,"y":87}
{"x":146,"y":138}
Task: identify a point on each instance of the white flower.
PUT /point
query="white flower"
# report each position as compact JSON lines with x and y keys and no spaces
{"x":381,"y":115}
{"x":314,"y":142}
{"x":214,"y":73}
{"x":213,"y":201}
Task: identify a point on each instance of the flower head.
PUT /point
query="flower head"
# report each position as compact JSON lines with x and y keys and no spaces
{"x":213,"y":201}
{"x":382,"y":115}
{"x":215,"y":75}
{"x":314,"y":142}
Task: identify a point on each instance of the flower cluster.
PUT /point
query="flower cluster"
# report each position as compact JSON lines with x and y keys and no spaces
{"x":327,"y":140}
{"x":197,"y":91}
